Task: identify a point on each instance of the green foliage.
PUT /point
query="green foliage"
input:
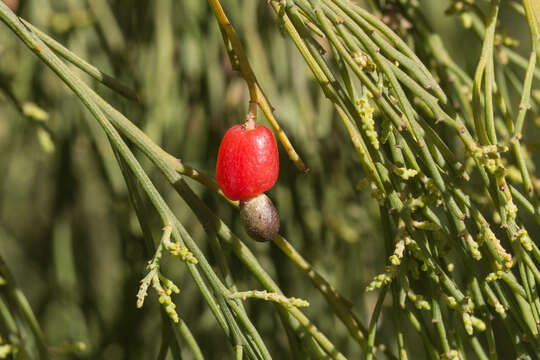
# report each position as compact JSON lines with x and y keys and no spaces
{"x":425,"y":231}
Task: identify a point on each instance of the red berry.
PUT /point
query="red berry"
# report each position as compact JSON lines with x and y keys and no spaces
{"x":248,"y":162}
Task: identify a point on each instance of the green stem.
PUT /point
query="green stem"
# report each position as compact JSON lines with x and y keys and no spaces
{"x":91,"y":70}
{"x":373,"y":323}
{"x":19,"y":299}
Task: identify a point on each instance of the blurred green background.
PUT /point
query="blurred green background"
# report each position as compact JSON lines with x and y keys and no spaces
{"x":67,"y":230}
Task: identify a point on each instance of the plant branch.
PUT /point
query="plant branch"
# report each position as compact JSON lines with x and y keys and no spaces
{"x":240,"y":61}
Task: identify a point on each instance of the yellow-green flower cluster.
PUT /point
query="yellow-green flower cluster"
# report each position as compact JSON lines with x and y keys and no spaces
{"x":71,"y":347}
{"x":270,"y":296}
{"x":450,"y":355}
{"x":451,"y":302}
{"x":471,"y":322}
{"x":168,"y":285}
{"x":456,"y":6}
{"x":498,"y":306}
{"x":7,"y":349}
{"x":432,"y":193}
{"x":511,"y":210}
{"x":415,"y":250}
{"x":495,"y":246}
{"x":426,"y":225}
{"x":378,"y":281}
{"x":174,"y":248}
{"x":473,"y":247}
{"x":143,"y":290}
{"x":181,"y":252}
{"x":35,"y":112}
{"x":368,"y":125}
{"x":504,"y":39}
{"x":395,"y":258}
{"x":494,"y":276}
{"x":405,"y":173}
{"x":364,"y":61}
{"x":164,"y":288}
{"x":415,"y":203}
{"x":418,"y":301}
{"x":524,"y":239}
{"x":489,"y":157}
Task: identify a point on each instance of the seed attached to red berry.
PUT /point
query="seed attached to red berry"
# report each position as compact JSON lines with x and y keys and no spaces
{"x":260,"y":217}
{"x":247,"y":166}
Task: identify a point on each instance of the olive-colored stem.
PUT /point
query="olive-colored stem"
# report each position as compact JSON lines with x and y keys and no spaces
{"x":239,"y":60}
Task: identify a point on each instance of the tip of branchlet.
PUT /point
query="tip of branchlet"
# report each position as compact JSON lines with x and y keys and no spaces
{"x":260,"y":217}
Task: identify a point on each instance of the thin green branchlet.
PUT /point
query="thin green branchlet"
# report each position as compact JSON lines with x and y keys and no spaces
{"x":460,"y":249}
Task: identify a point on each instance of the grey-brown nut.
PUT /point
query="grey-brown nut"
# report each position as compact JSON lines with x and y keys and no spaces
{"x":260,"y":217}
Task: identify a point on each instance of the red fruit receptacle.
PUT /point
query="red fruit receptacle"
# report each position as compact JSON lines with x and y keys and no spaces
{"x":248,"y":162}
